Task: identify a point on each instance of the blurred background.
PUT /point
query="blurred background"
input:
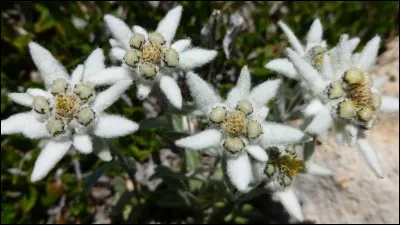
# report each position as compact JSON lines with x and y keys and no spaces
{"x":171,"y":185}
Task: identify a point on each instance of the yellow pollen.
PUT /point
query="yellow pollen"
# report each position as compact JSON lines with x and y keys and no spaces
{"x":235,"y":123}
{"x":66,"y":105}
{"x":361,"y":94}
{"x":290,"y":165}
{"x":152,"y":53}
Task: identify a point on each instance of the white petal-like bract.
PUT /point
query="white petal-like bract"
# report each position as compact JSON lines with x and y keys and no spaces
{"x":101,"y":149}
{"x":48,"y":158}
{"x":257,"y":153}
{"x":290,"y":202}
{"x":241,"y":90}
{"x":26,"y":124}
{"x":353,"y":43}
{"x":307,"y":72}
{"x":277,"y":134}
{"x":314,"y":107}
{"x":94,"y":63}
{"x":171,"y":90}
{"x":106,"y":98}
{"x":142,"y":90}
{"x":282,"y":66}
{"x":110,"y":126}
{"x":314,"y":35}
{"x":38,"y":92}
{"x":203,"y":94}
{"x":205,"y":139}
{"x":369,"y":53}
{"x":140,"y":30}
{"x":110,"y":76}
{"x":21,"y":98}
{"x":77,"y":75}
{"x":321,"y":122}
{"x":327,"y":69}
{"x":83,"y":143}
{"x":168,"y":25}
{"x":195,"y":57}
{"x":181,"y":45}
{"x":119,"y":29}
{"x":265,"y":91}
{"x":293,"y":40}
{"x":49,"y":68}
{"x":370,"y":155}
{"x":117,"y":54}
{"x":379,"y":81}
{"x":389,"y":104}
{"x":313,"y":168}
{"x":239,"y":171}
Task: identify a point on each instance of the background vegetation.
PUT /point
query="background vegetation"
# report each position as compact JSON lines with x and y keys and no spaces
{"x":192,"y":188}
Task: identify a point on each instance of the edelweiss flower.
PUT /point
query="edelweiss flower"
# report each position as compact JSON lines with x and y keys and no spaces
{"x":152,"y":58}
{"x":346,"y":94}
{"x":313,"y":51}
{"x":69,"y":112}
{"x":237,"y":125}
{"x":278,"y":174}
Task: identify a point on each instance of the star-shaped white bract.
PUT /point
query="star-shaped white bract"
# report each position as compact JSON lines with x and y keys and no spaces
{"x":278,"y":174}
{"x":290,"y":201}
{"x":312,"y":51}
{"x":345,"y":95}
{"x":152,"y":57}
{"x":237,"y":125}
{"x":69,"y":112}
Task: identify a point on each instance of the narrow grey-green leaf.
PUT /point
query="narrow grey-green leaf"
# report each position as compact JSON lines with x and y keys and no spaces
{"x":150,"y":123}
{"x":92,"y":179}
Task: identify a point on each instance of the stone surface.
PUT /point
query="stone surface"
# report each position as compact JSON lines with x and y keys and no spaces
{"x":354,"y":194}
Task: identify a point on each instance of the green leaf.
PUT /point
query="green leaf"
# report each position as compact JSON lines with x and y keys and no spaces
{"x":139,"y":153}
{"x":252,"y":194}
{"x":48,"y":200}
{"x":170,"y":199}
{"x":8,"y":212}
{"x":192,"y":160}
{"x":134,"y":215}
{"x":150,"y":123}
{"x":173,"y":136}
{"x":122,"y":201}
{"x":260,"y":72}
{"x":192,"y":163}
{"x":76,"y":209}
{"x":27,"y":203}
{"x":186,"y":109}
{"x":177,"y":123}
{"x":92,"y":179}
{"x":119,"y":184}
{"x":165,"y":172}
{"x":309,"y":148}
{"x":241,"y":220}
{"x":46,"y":21}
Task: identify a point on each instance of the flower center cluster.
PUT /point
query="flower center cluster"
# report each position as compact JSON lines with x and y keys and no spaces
{"x":316,"y":56}
{"x":147,"y":57}
{"x":283,"y":165}
{"x":359,"y":104}
{"x":152,"y":53}
{"x":64,"y":106}
{"x":236,"y":125}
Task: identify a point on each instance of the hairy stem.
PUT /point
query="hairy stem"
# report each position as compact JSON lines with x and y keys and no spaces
{"x":131,"y":172}
{"x":215,"y":14}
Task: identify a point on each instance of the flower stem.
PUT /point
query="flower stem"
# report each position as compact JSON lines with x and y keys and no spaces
{"x":215,"y":14}
{"x":131,"y":172}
